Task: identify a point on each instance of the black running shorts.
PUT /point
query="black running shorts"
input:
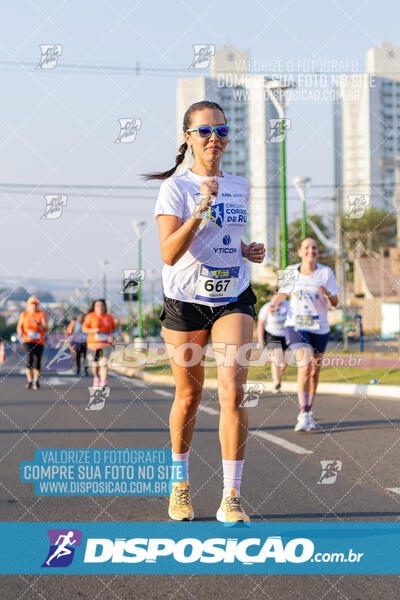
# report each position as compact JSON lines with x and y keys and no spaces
{"x":190,"y":316}
{"x":275,"y":341}
{"x":33,"y":355}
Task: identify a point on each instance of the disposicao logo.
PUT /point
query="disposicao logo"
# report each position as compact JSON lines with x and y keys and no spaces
{"x":191,"y":550}
{"x":62,"y":547}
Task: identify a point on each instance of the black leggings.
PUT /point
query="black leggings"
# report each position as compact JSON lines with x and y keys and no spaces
{"x":33,"y":354}
{"x":79,"y":352}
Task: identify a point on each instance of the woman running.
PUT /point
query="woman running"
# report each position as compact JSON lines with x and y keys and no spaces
{"x":201,"y":216}
{"x":78,"y":343}
{"x":313,"y":290}
{"x":99,"y":325}
{"x":31,"y":327}
{"x":271,"y":333}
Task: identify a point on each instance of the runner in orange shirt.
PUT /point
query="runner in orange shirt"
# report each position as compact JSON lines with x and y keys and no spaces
{"x":99,"y":325}
{"x":32,"y":326}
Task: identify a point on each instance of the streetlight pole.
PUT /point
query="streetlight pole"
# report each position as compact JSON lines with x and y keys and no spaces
{"x":279,"y":102}
{"x":103,"y":264}
{"x":139,"y":227}
{"x":151,"y":275}
{"x":302,"y":184}
{"x":86,"y":282}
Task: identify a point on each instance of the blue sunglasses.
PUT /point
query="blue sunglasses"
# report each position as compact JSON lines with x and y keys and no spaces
{"x":206,"y":131}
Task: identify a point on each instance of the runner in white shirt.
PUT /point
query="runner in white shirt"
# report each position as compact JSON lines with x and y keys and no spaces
{"x":201,"y":215}
{"x":271,"y":332}
{"x":312,"y":288}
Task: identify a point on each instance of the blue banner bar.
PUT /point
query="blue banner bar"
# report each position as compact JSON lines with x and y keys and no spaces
{"x":194,"y":548}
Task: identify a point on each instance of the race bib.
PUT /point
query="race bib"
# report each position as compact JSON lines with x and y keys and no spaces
{"x":280,"y":323}
{"x":216,"y":284}
{"x":307,"y":322}
{"x":102,"y":337}
{"x":33,"y":335}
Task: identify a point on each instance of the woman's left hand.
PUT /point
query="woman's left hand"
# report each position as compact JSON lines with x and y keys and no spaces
{"x":323,"y":290}
{"x":254,"y":252}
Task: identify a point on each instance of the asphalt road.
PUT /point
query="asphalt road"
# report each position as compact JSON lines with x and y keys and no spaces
{"x":280,"y":479}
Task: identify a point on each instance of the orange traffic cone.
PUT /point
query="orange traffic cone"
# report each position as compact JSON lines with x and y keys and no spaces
{"x":2,"y":353}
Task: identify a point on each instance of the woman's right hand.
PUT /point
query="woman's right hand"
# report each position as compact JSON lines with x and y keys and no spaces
{"x":208,"y":190}
{"x":271,"y":309}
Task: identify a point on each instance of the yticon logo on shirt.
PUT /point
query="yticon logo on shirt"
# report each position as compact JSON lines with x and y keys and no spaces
{"x":226,"y":240}
{"x":62,"y":547}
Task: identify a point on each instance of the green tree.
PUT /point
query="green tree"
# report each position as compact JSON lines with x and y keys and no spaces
{"x":263,"y":293}
{"x":152,"y":324}
{"x":6,"y":330}
{"x":374,"y":230}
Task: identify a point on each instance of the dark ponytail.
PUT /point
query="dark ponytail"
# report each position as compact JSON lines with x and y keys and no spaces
{"x":178,"y":160}
{"x":183,"y":147}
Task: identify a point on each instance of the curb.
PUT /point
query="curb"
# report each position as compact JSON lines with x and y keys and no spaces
{"x":391,"y":392}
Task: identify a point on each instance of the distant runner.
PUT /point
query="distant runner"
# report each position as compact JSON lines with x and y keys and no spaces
{"x":78,"y":343}
{"x":271,"y":333}
{"x":99,"y":325}
{"x":314,"y":289}
{"x":32,"y":326}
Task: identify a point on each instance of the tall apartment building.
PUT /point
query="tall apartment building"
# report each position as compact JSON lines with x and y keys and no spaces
{"x":248,"y":110}
{"x":367,"y":128}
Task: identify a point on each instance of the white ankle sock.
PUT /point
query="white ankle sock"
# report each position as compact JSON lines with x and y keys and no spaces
{"x":232,"y":474}
{"x":185,"y":458}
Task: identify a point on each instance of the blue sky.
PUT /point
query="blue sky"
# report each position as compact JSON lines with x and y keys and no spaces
{"x":59,"y":127}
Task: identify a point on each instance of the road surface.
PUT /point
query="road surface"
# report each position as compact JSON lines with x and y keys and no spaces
{"x":280,"y":481}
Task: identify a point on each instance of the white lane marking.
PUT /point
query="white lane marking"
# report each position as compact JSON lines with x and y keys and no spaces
{"x":394,"y":490}
{"x":136,"y":382}
{"x":53,"y":380}
{"x":163,"y":393}
{"x":59,"y":381}
{"x":282,"y":442}
{"x":139,"y":383}
{"x":209,"y":410}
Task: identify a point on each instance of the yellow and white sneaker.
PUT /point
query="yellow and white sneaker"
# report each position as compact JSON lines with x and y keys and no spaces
{"x":231,"y":510}
{"x":180,"y":504}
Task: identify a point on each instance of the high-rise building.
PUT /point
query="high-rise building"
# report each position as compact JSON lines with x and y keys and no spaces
{"x":248,"y":110}
{"x":367,"y":129}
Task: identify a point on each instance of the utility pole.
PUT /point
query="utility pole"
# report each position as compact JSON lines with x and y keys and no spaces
{"x":302,"y":184}
{"x":397,"y":199}
{"x":139,"y":227}
{"x":279,"y":102}
{"x":103,"y":265}
{"x":278,"y":245}
{"x":339,"y":260}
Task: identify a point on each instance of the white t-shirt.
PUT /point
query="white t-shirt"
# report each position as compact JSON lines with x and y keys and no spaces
{"x":308,"y":309}
{"x":274,"y":323}
{"x":212,"y":271}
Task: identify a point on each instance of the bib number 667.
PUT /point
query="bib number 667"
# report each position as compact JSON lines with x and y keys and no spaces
{"x":217,"y":287}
